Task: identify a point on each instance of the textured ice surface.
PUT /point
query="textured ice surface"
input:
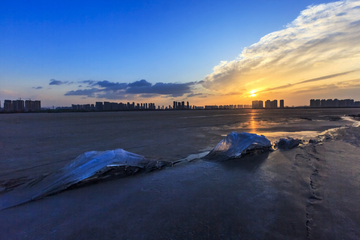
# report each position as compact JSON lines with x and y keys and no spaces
{"x":347,"y":133}
{"x":235,"y":144}
{"x":89,"y":165}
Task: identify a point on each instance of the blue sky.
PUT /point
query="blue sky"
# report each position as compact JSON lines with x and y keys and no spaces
{"x":167,"y":42}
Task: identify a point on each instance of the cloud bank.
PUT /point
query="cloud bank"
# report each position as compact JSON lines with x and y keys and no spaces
{"x":322,"y":43}
{"x":141,"y":88}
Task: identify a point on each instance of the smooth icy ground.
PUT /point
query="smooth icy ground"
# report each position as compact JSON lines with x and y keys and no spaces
{"x":305,"y":193}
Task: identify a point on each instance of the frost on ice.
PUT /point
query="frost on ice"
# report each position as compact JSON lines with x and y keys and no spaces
{"x":87,"y":167}
{"x":235,"y":145}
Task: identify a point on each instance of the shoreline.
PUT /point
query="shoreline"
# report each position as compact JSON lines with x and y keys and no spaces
{"x":50,"y":110}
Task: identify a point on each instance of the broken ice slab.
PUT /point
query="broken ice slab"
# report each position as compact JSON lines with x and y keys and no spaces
{"x":88,"y":166}
{"x":235,"y":145}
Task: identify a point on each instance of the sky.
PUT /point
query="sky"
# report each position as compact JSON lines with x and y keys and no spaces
{"x":205,"y":52}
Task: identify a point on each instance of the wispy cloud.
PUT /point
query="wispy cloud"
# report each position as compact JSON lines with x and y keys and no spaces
{"x":57,"y":82}
{"x":323,"y":40}
{"x":195,"y":95}
{"x":306,"y":81}
{"x":345,"y":85}
{"x":39,"y":87}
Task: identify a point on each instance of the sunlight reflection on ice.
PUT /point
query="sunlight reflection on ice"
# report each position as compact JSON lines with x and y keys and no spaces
{"x":275,"y":136}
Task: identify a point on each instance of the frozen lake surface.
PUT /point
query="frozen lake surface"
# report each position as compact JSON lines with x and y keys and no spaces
{"x":309,"y":192}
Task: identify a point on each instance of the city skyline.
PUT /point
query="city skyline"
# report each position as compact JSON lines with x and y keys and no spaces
{"x":13,"y":106}
{"x":221,"y":53}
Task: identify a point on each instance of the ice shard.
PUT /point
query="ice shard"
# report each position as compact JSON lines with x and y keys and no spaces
{"x":235,"y":145}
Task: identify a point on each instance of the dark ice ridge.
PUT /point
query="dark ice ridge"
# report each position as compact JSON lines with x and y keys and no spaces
{"x":96,"y":165}
{"x":287,"y":143}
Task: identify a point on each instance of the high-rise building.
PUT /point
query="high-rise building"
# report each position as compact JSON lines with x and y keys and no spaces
{"x":349,"y":102}
{"x":98,"y":106}
{"x":107,"y":106}
{"x":86,"y":107}
{"x":18,"y":105}
{"x":33,"y":106}
{"x":28,"y":105}
{"x":8,"y":106}
{"x":274,"y":104}
{"x":271,"y":104}
{"x":257,"y":104}
{"x":323,"y":103}
{"x":282,"y":103}
{"x":114,"y":106}
{"x":332,"y":103}
{"x":267,"y":104}
{"x":37,"y":105}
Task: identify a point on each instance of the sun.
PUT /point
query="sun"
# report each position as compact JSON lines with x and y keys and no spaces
{"x":252,"y":93}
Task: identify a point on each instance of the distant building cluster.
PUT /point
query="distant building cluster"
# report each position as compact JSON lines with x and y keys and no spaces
{"x":211,"y":107}
{"x":334,"y":103}
{"x":22,"y":106}
{"x":113,"y":106}
{"x":180,"y":105}
{"x":268,"y":104}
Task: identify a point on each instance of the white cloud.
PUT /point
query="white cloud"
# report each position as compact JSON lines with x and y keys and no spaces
{"x":322,"y":40}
